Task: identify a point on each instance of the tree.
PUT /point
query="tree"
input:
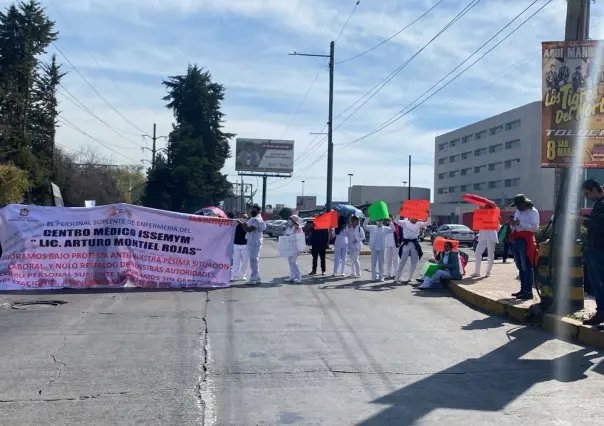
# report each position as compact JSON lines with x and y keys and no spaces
{"x":13,"y":184}
{"x":285,"y":213}
{"x":129,"y":178}
{"x":190,"y":177}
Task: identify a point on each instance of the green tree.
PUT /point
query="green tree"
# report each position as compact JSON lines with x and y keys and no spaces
{"x":190,"y":177}
{"x":285,"y":213}
{"x":13,"y":184}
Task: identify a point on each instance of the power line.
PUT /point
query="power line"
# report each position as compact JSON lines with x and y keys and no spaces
{"x":94,"y":89}
{"x":347,"y":21}
{"x":392,"y":36}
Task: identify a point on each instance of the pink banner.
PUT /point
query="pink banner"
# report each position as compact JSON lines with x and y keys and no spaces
{"x":112,"y":246}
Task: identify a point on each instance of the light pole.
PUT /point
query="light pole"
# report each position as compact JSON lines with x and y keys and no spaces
{"x":350,"y":175}
{"x":404,"y":186}
{"x":303,"y":187}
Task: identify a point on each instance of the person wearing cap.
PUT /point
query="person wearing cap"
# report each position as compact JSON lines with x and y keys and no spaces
{"x":524,"y":225}
{"x":293,"y":228}
{"x":254,"y":227}
{"x":240,"y":252}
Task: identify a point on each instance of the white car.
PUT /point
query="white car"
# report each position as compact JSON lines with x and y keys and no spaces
{"x":461,"y":233}
{"x":276,"y":228}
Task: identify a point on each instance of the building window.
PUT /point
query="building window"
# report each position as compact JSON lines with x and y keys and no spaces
{"x":512,"y":163}
{"x":512,"y":144}
{"x":453,"y":173}
{"x":464,"y":188}
{"x":512,"y":182}
{"x":479,"y":152}
{"x":495,"y":130}
{"x":454,"y":158}
{"x":466,"y":139}
{"x":466,"y":172}
{"x":479,"y":186}
{"x":478,"y":169}
{"x":452,"y":189}
{"x":495,"y":184}
{"x":442,"y":146}
{"x":495,"y":166}
{"x":441,"y":176}
{"x":440,"y":191}
{"x":480,"y":135}
{"x":453,"y":143}
{"x":496,"y":148}
{"x":512,"y":125}
{"x":442,"y":161}
{"x":466,"y":155}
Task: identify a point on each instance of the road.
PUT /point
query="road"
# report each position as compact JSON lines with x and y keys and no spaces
{"x":325,"y":352}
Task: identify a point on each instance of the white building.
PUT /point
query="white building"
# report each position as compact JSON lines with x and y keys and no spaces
{"x":496,"y":158}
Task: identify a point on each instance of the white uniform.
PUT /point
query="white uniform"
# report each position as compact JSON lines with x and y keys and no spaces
{"x":294,"y":269}
{"x":377,"y":243}
{"x":391,"y":253}
{"x":254,"y":244}
{"x":356,"y":236}
{"x":410,"y":232}
{"x":340,"y":250}
{"x":486,"y":240}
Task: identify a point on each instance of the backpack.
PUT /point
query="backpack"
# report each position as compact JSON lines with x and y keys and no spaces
{"x":463,"y":259}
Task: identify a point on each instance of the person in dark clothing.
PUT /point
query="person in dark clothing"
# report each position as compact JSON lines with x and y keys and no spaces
{"x":319,"y":240}
{"x":240,"y":253}
{"x":593,"y":246}
{"x":504,"y":237}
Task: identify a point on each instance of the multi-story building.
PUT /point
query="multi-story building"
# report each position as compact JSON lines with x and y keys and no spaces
{"x":393,"y":196}
{"x":496,"y":158}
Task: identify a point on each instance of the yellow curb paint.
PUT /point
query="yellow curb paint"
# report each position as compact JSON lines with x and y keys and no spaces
{"x":517,"y":313}
{"x":562,"y":328}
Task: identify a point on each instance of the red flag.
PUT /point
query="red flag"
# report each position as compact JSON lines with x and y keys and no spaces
{"x":326,"y":220}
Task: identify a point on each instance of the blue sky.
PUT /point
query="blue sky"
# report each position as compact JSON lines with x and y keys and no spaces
{"x":125,"y":48}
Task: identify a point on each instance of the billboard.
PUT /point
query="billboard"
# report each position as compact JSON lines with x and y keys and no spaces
{"x":306,"y":202}
{"x":264,"y":155}
{"x":572,"y":104}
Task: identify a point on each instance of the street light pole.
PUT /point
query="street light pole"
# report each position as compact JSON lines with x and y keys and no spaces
{"x":350,"y":175}
{"x":303,"y":187}
{"x":329,"y":122}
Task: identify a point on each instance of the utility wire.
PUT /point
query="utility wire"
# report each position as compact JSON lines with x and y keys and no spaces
{"x":392,"y":36}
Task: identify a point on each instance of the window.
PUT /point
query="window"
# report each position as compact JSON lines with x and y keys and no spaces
{"x":495,"y":184}
{"x":480,"y":135}
{"x":512,"y":182}
{"x":441,"y":176}
{"x":495,"y":130}
{"x":512,"y":144}
{"x":442,"y":161}
{"x":440,"y":190}
{"x":479,"y":186}
{"x":478,"y":169}
{"x":454,"y":158}
{"x":496,"y":148}
{"x":464,"y":188}
{"x":495,"y":166}
{"x":453,"y":173}
{"x":466,"y":155}
{"x":512,"y":163}
{"x":452,"y":189}
{"x":512,"y":125}
{"x":442,"y":146}
{"x":466,"y":139}
{"x":479,"y":152}
{"x":466,"y":172}
{"x":454,"y":142}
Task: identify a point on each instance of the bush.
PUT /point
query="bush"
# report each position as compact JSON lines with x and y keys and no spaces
{"x":13,"y":184}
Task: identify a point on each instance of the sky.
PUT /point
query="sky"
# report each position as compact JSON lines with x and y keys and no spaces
{"x":117,"y":52}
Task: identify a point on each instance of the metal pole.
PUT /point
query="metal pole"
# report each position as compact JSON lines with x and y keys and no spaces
{"x":242,"y":197}
{"x":303,"y":187}
{"x":350,"y":175}
{"x":154,"y":148}
{"x":263,"y":193}
{"x":409,"y":188}
{"x":330,"y":131}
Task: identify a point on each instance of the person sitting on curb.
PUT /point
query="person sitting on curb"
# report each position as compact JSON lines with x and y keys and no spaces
{"x":449,"y":268}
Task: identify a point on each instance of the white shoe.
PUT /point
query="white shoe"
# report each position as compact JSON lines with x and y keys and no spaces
{"x":289,"y":280}
{"x":297,"y":281}
{"x":382,"y":279}
{"x":334,"y":274}
{"x":244,"y":278}
{"x":475,"y":275}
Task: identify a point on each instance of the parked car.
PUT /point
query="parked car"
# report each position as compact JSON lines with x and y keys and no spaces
{"x":276,"y":228}
{"x":498,"y":248}
{"x":461,"y":233}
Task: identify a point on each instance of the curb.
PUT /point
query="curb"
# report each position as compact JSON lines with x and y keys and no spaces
{"x":563,"y":327}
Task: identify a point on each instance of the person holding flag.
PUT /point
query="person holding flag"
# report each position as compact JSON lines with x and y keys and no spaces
{"x":377,"y":244}
{"x":410,"y":246}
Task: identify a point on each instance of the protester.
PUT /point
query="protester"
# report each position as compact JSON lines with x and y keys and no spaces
{"x":254,"y":228}
{"x":593,"y":247}
{"x":356,"y":236}
{"x":410,"y":246}
{"x":486,"y":240}
{"x":319,"y":240}
{"x":524,"y":224}
{"x":449,"y":268}
{"x":293,"y":228}
{"x":240,"y":252}
{"x":391,"y":252}
{"x":340,"y":247}
{"x":377,"y":244}
{"x":504,"y":236}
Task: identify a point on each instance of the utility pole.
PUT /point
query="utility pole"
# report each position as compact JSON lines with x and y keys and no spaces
{"x":409,"y":188}
{"x":329,"y":122}
{"x":154,"y":150}
{"x":264,"y":193}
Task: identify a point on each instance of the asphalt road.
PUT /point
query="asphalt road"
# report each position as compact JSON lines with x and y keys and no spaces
{"x":324,"y":352}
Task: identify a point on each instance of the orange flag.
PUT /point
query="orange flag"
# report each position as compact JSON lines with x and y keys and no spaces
{"x":326,"y":220}
{"x":415,"y":209}
{"x":486,"y":220}
{"x":439,"y":244}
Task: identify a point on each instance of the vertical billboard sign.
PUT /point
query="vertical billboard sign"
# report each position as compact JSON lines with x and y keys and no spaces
{"x":572,"y":104}
{"x":264,"y":155}
{"x":306,"y":202}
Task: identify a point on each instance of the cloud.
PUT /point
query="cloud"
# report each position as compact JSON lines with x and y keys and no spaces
{"x":125,"y":52}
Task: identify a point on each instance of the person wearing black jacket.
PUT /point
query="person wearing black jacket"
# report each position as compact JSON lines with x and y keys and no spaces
{"x":319,"y":240}
{"x":240,"y":253}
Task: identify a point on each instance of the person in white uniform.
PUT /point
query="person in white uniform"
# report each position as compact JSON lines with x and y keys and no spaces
{"x":254,"y":228}
{"x":240,"y":253}
{"x":377,"y":244}
{"x":391,"y":251}
{"x":410,"y":246}
{"x":486,"y":240}
{"x":356,"y":236}
{"x":340,"y":247}
{"x":293,"y":227}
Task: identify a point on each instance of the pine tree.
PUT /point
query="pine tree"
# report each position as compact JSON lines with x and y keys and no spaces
{"x":197,"y":146}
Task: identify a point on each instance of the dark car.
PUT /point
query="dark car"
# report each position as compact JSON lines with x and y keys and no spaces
{"x":498,"y":248}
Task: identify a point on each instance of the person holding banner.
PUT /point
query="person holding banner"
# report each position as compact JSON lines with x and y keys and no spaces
{"x":240,"y":252}
{"x":377,"y":244}
{"x":254,"y":228}
{"x":410,"y":246}
{"x":487,"y":239}
{"x":392,"y":244}
{"x":356,"y":236}
{"x":293,"y":227}
{"x":340,"y":249}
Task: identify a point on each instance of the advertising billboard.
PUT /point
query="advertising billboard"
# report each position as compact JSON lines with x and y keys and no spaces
{"x":572,"y":104}
{"x":264,"y":155}
{"x":306,"y":202}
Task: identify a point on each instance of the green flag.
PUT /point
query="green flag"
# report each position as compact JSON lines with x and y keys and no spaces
{"x":429,"y":269}
{"x":378,"y":211}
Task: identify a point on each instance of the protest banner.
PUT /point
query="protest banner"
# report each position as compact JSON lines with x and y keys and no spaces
{"x":415,"y":209}
{"x":486,"y":220}
{"x":111,"y":246}
{"x":291,"y":245}
{"x":326,"y":220}
{"x":439,"y":244}
{"x":378,"y":211}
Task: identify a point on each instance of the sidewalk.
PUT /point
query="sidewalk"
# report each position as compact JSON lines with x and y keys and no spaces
{"x":493,"y":295}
